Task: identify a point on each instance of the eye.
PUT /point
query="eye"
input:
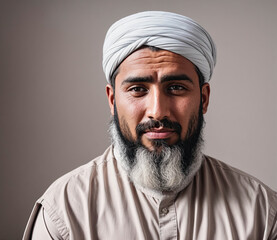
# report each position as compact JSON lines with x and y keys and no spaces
{"x":137,"y":91}
{"x":176,"y":89}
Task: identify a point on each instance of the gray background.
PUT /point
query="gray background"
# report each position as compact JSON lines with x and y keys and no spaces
{"x":54,"y":112}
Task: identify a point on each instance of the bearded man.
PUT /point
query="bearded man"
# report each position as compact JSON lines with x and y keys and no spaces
{"x":153,"y":182}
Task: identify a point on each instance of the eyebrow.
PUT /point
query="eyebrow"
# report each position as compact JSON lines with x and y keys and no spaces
{"x":180,"y":77}
{"x":137,"y":80}
{"x":166,"y":78}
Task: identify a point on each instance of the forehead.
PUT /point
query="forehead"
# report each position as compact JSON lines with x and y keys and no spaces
{"x":146,"y":62}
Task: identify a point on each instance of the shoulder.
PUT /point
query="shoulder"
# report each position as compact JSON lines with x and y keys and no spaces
{"x":80,"y":177}
{"x":239,"y":183}
{"x":69,"y":196}
{"x":73,"y":188}
{"x":243,"y":193}
{"x":225,"y":168}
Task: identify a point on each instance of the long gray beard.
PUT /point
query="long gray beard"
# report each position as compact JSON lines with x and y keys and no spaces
{"x":165,"y":176}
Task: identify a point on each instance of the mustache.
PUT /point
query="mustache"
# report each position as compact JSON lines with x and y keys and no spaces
{"x":166,"y":123}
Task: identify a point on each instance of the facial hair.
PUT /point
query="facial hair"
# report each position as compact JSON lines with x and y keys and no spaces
{"x":167,"y":168}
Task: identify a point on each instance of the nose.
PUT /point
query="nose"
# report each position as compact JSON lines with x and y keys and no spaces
{"x":157,"y":105}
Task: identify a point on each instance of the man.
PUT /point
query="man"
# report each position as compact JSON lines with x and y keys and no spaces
{"x":154,"y":182}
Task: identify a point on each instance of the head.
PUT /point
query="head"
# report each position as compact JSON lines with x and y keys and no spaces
{"x":157,"y":99}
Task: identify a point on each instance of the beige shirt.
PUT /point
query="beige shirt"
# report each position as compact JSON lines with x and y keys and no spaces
{"x":98,"y":201}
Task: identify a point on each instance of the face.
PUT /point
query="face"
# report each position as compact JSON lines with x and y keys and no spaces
{"x":160,"y":86}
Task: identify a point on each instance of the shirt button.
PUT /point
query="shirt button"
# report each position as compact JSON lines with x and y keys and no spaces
{"x":164,"y":211}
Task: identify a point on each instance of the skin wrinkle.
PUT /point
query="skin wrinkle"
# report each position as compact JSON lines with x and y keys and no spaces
{"x":154,"y":49}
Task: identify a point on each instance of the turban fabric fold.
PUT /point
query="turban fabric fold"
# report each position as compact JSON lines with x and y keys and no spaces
{"x":165,"y":30}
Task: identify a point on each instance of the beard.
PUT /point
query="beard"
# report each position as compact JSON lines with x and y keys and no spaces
{"x":167,"y":168}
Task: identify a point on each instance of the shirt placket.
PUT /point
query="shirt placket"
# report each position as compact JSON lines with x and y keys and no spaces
{"x":167,"y":220}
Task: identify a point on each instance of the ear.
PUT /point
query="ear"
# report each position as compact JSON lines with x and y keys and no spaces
{"x":110,"y":95}
{"x":205,"y":96}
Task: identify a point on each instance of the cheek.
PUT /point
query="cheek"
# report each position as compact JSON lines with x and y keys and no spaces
{"x":183,"y":108}
{"x":131,"y":111}
{"x":184,"y":111}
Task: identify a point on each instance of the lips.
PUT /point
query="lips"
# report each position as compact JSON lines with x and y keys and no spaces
{"x":159,"y":133}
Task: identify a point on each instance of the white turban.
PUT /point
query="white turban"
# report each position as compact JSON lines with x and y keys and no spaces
{"x":165,"y":30}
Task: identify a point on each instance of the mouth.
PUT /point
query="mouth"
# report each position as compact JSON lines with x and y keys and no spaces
{"x":159,"y":133}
